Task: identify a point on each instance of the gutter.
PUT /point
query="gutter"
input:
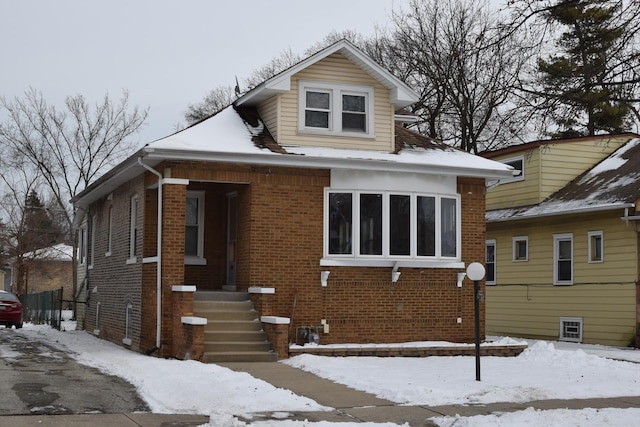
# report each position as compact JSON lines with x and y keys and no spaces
{"x":306,"y":161}
{"x":567,"y":212}
{"x":159,"y":255}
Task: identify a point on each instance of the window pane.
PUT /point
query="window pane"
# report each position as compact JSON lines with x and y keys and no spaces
{"x":192,"y":211}
{"x":353,"y":103}
{"x":191,"y":240}
{"x":596,"y":248}
{"x":448,"y":227}
{"x":564,"y":249}
{"x":316,"y":119}
{"x":564,"y":270}
{"x":399,"y":225}
{"x":340,"y":219}
{"x":371,"y":224}
{"x":490,"y":260}
{"x":319,"y":100}
{"x":427,"y":226}
{"x":354,"y":122}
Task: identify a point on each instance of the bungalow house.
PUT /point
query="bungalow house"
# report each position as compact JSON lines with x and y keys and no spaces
{"x":303,"y":212}
{"x":562,"y":249}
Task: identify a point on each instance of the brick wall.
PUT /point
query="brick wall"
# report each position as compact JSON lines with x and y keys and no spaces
{"x":113,"y":281}
{"x":280,"y":244}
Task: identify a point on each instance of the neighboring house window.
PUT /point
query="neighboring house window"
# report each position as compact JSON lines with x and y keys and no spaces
{"x":133,"y":230}
{"x":82,"y":246}
{"x":387,"y":225}
{"x":490,"y":261}
{"x":563,"y":259}
{"x":194,"y":227}
{"x":336,"y":109}
{"x":94,"y":223}
{"x":518,"y":165}
{"x":521,"y":248}
{"x":596,"y":246}
{"x":109,"y":231}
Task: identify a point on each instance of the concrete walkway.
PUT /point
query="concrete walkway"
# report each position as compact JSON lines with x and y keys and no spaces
{"x":357,"y":406}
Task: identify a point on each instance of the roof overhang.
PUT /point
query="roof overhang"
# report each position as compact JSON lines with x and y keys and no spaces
{"x":576,"y":211}
{"x":130,"y":168}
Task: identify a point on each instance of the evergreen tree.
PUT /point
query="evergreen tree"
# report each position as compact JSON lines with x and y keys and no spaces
{"x":40,"y":231}
{"x":583,"y":85}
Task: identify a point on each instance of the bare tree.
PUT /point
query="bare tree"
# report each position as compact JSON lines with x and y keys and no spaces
{"x":448,"y":52}
{"x":67,"y":149}
{"x":214,"y":101}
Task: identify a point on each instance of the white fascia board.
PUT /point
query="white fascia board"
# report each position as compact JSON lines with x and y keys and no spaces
{"x":588,"y":209}
{"x":304,"y":161}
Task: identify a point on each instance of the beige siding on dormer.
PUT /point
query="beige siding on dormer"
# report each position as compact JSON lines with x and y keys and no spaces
{"x":268,"y":111}
{"x":520,"y":193}
{"x":550,"y":167}
{"x":561,"y":163}
{"x":334,"y":69}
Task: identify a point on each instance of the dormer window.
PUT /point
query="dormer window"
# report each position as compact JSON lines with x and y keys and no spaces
{"x":336,"y":109}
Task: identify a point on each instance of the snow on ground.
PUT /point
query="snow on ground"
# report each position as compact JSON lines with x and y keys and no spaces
{"x":544,"y":371}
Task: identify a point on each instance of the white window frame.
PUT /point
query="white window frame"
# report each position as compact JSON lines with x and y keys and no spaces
{"x":82,"y":245}
{"x":509,"y":161}
{"x":197,"y":259}
{"x":491,"y":242}
{"x":133,"y":230}
{"x":128,"y":314}
{"x":579,"y":321}
{"x":335,"y":105}
{"x":557,"y":238}
{"x":516,"y":240}
{"x":591,"y":235}
{"x":109,"y":230}
{"x":386,"y":256}
{"x":92,"y":244}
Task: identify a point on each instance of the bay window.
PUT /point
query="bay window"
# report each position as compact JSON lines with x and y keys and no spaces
{"x":389,"y":225}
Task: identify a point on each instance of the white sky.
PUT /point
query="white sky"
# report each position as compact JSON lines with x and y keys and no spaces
{"x":544,"y":371}
{"x":167,"y":54}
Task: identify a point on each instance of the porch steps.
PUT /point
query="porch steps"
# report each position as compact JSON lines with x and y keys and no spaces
{"x":233,"y":332}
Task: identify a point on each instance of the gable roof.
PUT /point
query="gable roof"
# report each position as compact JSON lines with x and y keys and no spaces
{"x":401,"y":95}
{"x":613,"y":183}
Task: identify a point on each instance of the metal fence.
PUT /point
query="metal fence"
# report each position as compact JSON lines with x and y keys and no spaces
{"x":43,"y":307}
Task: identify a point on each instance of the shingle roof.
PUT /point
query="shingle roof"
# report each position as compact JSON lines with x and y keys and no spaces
{"x":610,"y":184}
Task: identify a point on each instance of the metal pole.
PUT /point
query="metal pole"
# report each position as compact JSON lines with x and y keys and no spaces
{"x":476,"y":306}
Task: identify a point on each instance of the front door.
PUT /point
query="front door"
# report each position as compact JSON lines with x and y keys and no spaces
{"x":232,"y":240}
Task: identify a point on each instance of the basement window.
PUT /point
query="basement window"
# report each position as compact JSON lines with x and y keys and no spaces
{"x":571,"y":329}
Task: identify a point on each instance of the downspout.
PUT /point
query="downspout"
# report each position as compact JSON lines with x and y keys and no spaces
{"x":159,"y":256}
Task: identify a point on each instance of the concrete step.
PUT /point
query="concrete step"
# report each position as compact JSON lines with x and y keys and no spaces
{"x":233,"y":325}
{"x":213,"y":315}
{"x":233,"y":332}
{"x":221,"y":296}
{"x":218,"y":336}
{"x":236,"y":346}
{"x":240,"y":356}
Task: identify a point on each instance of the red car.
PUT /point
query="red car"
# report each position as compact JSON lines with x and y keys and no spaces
{"x":10,"y":310}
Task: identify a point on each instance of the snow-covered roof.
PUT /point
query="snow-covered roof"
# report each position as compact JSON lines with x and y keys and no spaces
{"x":611,"y":184}
{"x":238,"y":135}
{"x":59,"y":252}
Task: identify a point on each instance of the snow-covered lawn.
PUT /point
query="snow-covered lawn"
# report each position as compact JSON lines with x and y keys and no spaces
{"x":544,"y":371}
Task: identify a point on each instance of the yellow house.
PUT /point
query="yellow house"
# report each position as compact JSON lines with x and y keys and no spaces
{"x":562,"y":243}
